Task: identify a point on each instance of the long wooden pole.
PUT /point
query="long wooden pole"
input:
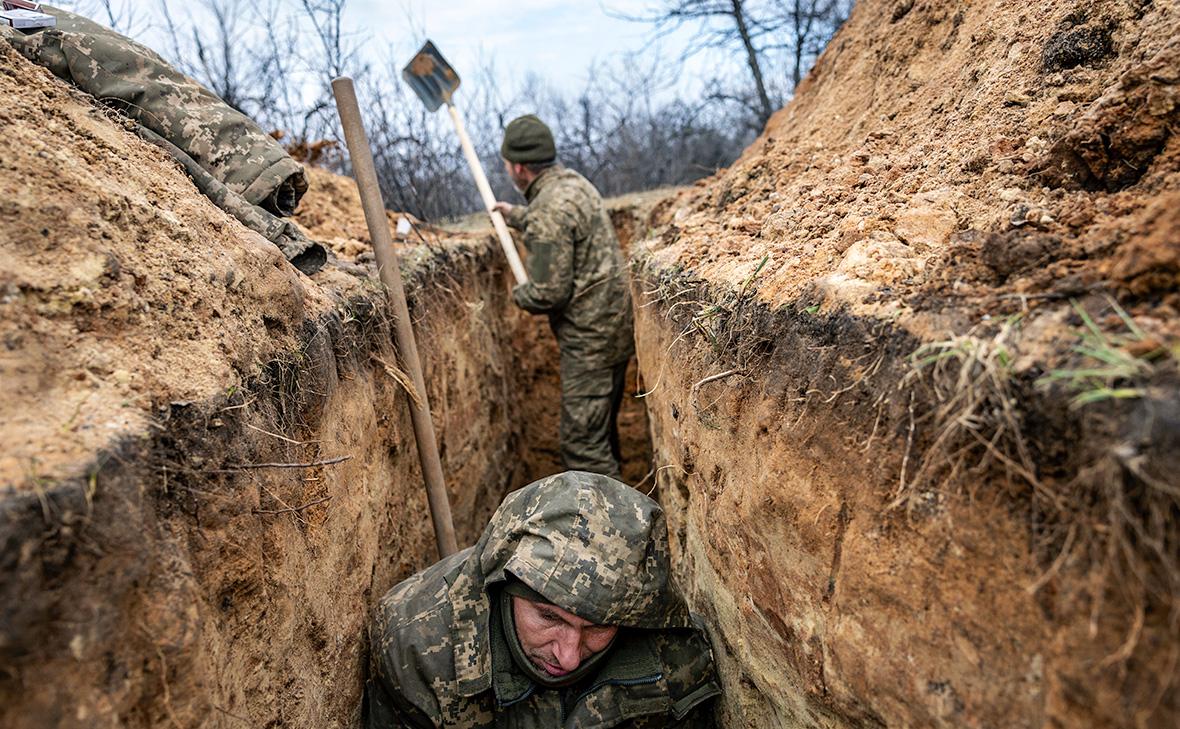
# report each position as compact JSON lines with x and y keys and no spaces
{"x":387,"y":266}
{"x":489,"y":200}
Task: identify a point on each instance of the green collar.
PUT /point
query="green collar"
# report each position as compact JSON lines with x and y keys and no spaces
{"x":539,"y":182}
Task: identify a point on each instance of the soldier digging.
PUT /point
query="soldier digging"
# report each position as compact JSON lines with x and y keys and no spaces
{"x":563,"y":614}
{"x":577,"y":278}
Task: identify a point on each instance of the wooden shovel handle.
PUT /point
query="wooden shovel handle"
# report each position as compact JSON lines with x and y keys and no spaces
{"x":407,"y":348}
{"x":489,"y":200}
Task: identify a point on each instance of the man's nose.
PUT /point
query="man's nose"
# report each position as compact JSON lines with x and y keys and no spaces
{"x":566,"y":650}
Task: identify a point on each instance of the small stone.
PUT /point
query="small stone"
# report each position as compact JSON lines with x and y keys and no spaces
{"x":925,"y":227}
{"x":1016,"y":98}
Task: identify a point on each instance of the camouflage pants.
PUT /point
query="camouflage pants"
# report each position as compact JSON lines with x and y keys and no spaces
{"x":590,"y":401}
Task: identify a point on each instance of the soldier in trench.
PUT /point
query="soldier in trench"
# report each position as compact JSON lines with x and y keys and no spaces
{"x":578,"y":279}
{"x":563,"y":614}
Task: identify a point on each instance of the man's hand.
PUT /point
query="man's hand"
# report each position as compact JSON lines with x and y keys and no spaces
{"x":504,"y":208}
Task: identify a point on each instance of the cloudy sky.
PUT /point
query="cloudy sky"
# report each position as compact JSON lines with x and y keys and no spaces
{"x":556,"y":39}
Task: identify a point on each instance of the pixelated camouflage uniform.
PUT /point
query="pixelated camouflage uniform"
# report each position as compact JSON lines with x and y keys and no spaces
{"x":577,"y":276}
{"x":595,"y":548}
{"x":232,"y":161}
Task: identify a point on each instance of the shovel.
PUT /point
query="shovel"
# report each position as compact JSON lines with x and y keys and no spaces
{"x":433,"y":79}
{"x":407,"y":346}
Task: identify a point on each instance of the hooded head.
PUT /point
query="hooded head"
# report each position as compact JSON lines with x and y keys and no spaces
{"x":590,"y":545}
{"x":587,"y":543}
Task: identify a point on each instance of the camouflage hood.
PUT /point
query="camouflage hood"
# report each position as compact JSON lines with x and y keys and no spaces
{"x":591,"y":545}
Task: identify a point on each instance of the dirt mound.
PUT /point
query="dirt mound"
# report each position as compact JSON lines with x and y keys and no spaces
{"x":122,"y":290}
{"x":934,"y":308}
{"x":954,"y":155}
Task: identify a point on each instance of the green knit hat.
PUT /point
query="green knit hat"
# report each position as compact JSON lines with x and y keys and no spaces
{"x":527,"y":139}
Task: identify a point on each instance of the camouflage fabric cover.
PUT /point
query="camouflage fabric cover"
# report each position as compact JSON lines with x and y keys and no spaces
{"x":232,"y":161}
{"x":135,"y":80}
{"x":592,"y":546}
{"x":305,"y":254}
{"x":576,"y":271}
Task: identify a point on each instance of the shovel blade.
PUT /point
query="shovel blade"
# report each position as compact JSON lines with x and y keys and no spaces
{"x":431,"y":77}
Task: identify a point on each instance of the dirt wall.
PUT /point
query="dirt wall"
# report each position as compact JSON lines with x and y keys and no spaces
{"x":209,"y":473}
{"x":912,"y":364}
{"x":832,"y":601}
{"x":179,"y":581}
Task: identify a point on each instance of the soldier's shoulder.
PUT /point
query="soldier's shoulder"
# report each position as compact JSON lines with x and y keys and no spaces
{"x":413,"y":641}
{"x":421,"y":602}
{"x":687,"y":659}
{"x":568,"y":184}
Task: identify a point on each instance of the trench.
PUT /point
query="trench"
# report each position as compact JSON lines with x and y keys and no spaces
{"x":179,"y":580}
{"x":189,"y":574}
{"x":210,"y":477}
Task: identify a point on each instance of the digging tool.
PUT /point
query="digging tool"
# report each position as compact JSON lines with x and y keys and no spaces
{"x":435,"y":82}
{"x":391,"y":275}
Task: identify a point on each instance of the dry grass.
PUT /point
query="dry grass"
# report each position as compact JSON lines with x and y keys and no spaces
{"x":975,"y":422}
{"x":1118,"y":519}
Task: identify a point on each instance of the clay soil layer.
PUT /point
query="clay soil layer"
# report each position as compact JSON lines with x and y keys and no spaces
{"x":912,"y":376}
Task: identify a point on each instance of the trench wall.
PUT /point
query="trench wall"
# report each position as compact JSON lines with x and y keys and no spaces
{"x":208,"y":473}
{"x":781,"y":437}
{"x":191,"y":573}
{"x":181,"y":583}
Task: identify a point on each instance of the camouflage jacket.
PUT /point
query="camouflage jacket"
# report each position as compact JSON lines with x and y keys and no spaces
{"x":232,"y":161}
{"x":594,"y":547}
{"x":576,"y":271}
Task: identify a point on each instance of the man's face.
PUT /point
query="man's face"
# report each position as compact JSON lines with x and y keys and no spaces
{"x":554,"y":640}
{"x":518,"y":174}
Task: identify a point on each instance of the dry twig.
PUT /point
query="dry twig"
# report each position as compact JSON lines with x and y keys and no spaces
{"x":310,"y":464}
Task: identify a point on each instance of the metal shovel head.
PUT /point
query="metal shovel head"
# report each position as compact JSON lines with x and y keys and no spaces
{"x":431,"y":77}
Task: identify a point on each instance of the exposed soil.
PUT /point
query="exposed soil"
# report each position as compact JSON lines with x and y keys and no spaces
{"x":914,"y":387}
{"x":910,"y":366}
{"x":166,"y":560}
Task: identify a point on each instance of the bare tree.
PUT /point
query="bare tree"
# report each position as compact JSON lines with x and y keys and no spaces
{"x":738,"y":27}
{"x":124,"y":16}
{"x":810,"y":24}
{"x":626,"y":128}
{"x":218,"y":48}
{"x":759,"y":30}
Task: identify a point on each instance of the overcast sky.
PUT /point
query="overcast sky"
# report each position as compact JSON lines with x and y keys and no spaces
{"x":556,"y":39}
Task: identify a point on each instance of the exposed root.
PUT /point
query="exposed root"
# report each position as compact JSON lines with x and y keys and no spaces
{"x":309,"y":464}
{"x":972,"y":383}
{"x":292,"y":509}
{"x":402,"y":379}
